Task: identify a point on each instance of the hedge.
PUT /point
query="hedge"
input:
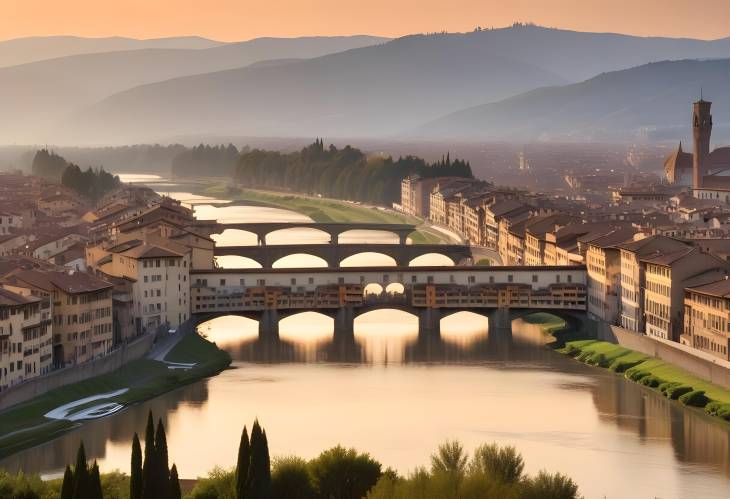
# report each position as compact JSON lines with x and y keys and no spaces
{"x":695,"y":398}
{"x":678,"y":391}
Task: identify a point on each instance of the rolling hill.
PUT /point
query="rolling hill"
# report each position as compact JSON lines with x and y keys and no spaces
{"x":651,"y":101}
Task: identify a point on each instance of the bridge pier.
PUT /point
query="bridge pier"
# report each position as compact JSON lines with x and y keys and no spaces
{"x":500,"y":323}
{"x":429,"y":323}
{"x":269,"y":324}
{"x":344,"y":324}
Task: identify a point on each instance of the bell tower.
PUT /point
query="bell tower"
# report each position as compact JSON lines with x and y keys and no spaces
{"x":701,"y":131}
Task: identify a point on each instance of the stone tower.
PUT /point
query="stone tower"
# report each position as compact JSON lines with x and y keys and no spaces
{"x":701,"y":131}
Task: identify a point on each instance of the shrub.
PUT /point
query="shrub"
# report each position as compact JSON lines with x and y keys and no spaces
{"x":503,"y":464}
{"x":678,"y":391}
{"x":695,"y":398}
{"x":598,"y":359}
{"x":572,"y":350}
{"x":637,"y":375}
{"x":651,"y":381}
{"x":585,"y":355}
{"x":713,"y":408}
{"x":666,"y":386}
{"x":619,"y":365}
{"x":344,"y":473}
{"x":550,"y":486}
{"x":290,"y":479}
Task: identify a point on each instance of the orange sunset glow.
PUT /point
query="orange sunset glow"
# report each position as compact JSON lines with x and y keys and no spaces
{"x":229,"y":20}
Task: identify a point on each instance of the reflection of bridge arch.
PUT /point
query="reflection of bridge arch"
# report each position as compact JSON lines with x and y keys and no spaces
{"x":317,"y":263}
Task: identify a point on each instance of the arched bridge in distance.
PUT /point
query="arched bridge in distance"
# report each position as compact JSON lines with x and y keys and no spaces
{"x":430,"y":293}
{"x":334,"y":254}
{"x":333,"y":229}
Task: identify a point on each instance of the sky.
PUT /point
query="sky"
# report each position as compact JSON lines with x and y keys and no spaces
{"x":231,"y":20}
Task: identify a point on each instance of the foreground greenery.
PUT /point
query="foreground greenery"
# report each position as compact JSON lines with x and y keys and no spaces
{"x":493,"y":472}
{"x":328,"y":210}
{"x":25,"y":425}
{"x":671,"y":381}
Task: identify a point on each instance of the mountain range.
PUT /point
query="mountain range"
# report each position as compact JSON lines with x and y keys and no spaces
{"x":519,"y":83}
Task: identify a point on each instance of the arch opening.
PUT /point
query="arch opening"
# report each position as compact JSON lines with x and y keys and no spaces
{"x":306,"y":328}
{"x":395,"y":288}
{"x":235,"y":237}
{"x":236,"y":262}
{"x":368,"y":259}
{"x":431,"y":259}
{"x":229,"y":330}
{"x":298,"y":235}
{"x":372,"y":289}
{"x":299,"y":260}
{"x":361,"y":236}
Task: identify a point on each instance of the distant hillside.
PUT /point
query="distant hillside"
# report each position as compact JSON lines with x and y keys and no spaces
{"x":37,"y":48}
{"x":652,"y":101}
{"x":36,"y":98}
{"x":367,"y":91}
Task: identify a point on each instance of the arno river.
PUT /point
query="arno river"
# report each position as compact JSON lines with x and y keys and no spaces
{"x":397,"y":399}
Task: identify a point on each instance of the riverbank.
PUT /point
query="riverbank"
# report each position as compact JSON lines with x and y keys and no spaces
{"x":330,"y":210}
{"x":668,"y":380}
{"x":60,"y":410}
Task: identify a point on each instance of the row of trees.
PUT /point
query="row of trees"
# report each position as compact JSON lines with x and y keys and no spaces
{"x":90,"y":183}
{"x":492,"y":472}
{"x":345,"y":173}
{"x":206,"y":160}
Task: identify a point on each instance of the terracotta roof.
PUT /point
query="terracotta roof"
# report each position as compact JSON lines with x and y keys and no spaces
{"x":719,"y":182}
{"x":9,"y":299}
{"x":677,"y":161}
{"x":69,"y":282}
{"x":613,"y":238}
{"x":653,"y":245}
{"x":668,"y":258}
{"x":719,"y":288}
{"x":719,"y":158}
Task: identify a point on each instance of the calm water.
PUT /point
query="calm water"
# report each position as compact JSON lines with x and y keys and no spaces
{"x":398,"y":398}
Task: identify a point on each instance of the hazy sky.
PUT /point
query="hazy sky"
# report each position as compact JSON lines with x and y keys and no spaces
{"x":244,"y":19}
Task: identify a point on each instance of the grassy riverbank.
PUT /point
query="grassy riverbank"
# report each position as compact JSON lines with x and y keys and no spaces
{"x":329,"y":210}
{"x":667,"y":379}
{"x":26,"y":425}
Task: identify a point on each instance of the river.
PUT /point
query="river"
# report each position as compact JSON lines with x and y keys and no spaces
{"x":397,"y":399}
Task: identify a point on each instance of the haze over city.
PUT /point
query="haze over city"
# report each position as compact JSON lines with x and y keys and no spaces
{"x":364,"y":250}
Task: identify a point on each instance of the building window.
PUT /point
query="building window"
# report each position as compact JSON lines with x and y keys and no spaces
{"x":510,"y":278}
{"x":534,"y":277}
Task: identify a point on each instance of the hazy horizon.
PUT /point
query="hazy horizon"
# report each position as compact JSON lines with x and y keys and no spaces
{"x":231,"y":20}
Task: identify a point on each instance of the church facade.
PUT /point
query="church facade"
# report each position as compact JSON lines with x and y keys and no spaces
{"x":706,"y":172}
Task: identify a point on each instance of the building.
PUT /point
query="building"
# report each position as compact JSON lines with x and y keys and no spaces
{"x":666,"y":276}
{"x":159,"y":272}
{"x":416,"y":195}
{"x":633,"y":275}
{"x":513,"y":209}
{"x":536,"y":236}
{"x":708,"y":170}
{"x":10,"y":222}
{"x":707,"y":318}
{"x":603,"y":265}
{"x":25,"y":338}
{"x":81,"y":308}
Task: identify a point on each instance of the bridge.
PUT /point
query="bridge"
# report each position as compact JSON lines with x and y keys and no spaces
{"x":431,"y":293}
{"x":334,"y":229}
{"x":334,"y":254}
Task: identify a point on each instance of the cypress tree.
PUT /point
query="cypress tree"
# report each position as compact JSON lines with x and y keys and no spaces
{"x":95,"y":483}
{"x":150,"y":487}
{"x":259,"y":473}
{"x":175,"y":492}
{"x":81,"y":474}
{"x":67,"y":488}
{"x":163,"y":472}
{"x":244,"y":458}
{"x":135,"y":479}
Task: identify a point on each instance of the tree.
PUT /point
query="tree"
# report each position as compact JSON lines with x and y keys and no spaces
{"x":95,"y":483}
{"x":449,"y":458}
{"x":242,"y":464}
{"x":163,"y":472}
{"x":258,"y":479}
{"x":343,"y":473}
{"x":67,"y":487}
{"x":290,"y":479}
{"x":135,"y":479}
{"x":150,"y":483}
{"x":81,"y":475}
{"x":550,"y":486}
{"x":503,"y":464}
{"x":175,"y":492}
